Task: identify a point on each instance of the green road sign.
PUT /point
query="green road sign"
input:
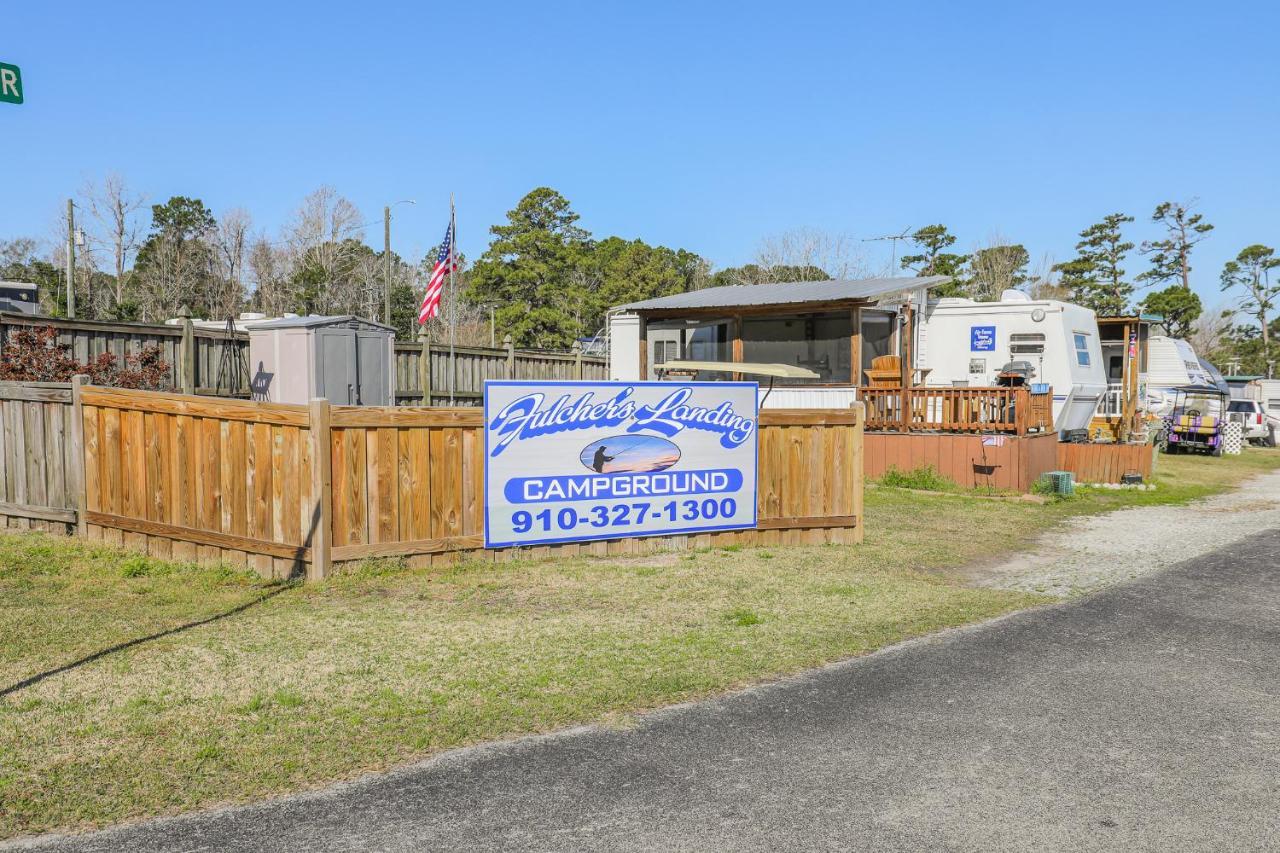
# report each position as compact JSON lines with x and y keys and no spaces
{"x":10,"y":84}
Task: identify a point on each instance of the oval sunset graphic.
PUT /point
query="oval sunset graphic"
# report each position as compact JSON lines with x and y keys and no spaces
{"x":629,"y":453}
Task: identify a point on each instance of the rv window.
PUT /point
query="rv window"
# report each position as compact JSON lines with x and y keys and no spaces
{"x":1030,"y":343}
{"x":1274,"y":405}
{"x":1082,"y":349}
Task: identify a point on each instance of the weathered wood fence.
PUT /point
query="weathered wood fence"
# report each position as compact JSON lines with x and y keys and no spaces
{"x":1106,"y":463}
{"x":40,"y":478}
{"x":285,"y":489}
{"x":194,"y":355}
{"x":206,"y":361}
{"x":471,"y":366}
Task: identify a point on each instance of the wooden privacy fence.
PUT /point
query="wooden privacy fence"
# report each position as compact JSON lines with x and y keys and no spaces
{"x":195,"y":361}
{"x":40,"y":478}
{"x":471,"y":366}
{"x":1015,"y":411}
{"x":198,"y":479}
{"x":1012,"y":466}
{"x":1106,"y":463}
{"x":206,"y":361}
{"x":287,"y":488}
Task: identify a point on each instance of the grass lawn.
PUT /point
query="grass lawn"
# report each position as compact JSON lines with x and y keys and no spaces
{"x":310,"y":684}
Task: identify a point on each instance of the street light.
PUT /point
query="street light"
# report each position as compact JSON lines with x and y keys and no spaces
{"x":386,"y":236}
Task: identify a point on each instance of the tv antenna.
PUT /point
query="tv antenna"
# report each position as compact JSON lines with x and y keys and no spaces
{"x":893,"y":240}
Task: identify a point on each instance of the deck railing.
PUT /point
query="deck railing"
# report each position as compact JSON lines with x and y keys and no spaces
{"x":965,"y":410}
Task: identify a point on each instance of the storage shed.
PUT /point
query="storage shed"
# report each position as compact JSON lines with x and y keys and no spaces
{"x":344,"y":359}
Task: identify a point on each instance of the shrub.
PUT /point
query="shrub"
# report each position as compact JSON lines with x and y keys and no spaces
{"x":34,"y":355}
{"x":926,"y":478}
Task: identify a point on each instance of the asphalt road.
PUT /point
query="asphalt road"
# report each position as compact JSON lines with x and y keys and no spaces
{"x":1143,"y":717}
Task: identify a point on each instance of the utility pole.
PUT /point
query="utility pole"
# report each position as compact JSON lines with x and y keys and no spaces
{"x":71,"y":260}
{"x":493,"y":340}
{"x":386,"y":259}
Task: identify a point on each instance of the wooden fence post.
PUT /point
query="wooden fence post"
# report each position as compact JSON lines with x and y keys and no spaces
{"x":424,"y":366}
{"x":78,"y":484}
{"x":577,"y":359}
{"x":858,"y":471}
{"x":321,"y":489}
{"x":188,"y":356}
{"x":510,"y":347}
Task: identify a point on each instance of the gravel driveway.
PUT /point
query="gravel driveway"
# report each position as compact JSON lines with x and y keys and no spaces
{"x":1096,"y":551}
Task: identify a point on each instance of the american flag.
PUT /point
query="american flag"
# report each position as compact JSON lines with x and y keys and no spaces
{"x":993,"y":441}
{"x":445,"y":263}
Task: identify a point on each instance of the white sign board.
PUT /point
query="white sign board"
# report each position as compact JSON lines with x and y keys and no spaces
{"x":574,"y":461}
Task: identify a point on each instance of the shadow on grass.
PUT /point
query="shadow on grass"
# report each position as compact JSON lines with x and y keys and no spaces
{"x":128,"y":644}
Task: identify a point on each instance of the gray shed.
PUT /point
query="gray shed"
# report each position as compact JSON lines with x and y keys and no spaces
{"x":345,"y":359}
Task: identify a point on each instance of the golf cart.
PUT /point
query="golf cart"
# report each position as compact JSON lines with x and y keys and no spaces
{"x":1195,"y":421}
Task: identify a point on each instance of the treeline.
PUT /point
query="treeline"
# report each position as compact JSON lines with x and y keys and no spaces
{"x":1096,"y":277}
{"x":548,"y":281}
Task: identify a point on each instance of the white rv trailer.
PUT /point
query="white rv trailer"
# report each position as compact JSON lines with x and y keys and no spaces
{"x":964,"y":343}
{"x":1172,"y":363}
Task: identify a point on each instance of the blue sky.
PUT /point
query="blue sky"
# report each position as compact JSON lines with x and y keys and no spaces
{"x":700,"y":125}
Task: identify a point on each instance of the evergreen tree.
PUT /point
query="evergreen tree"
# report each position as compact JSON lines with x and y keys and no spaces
{"x":1171,"y":257}
{"x":932,"y":260}
{"x":1251,"y":272}
{"x":1095,"y":277}
{"x":1179,"y":307}
{"x":529,"y":272}
{"x":1171,"y":263}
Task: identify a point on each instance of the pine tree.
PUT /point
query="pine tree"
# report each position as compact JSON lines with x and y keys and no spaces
{"x":1251,"y":272}
{"x":1095,"y":277}
{"x":931,"y":260}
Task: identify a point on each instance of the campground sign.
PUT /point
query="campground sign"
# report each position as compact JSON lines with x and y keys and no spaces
{"x":10,"y":84}
{"x":576,"y":461}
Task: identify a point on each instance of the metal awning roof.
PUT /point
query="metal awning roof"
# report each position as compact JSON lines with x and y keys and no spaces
{"x":786,"y":293}
{"x":746,"y":368}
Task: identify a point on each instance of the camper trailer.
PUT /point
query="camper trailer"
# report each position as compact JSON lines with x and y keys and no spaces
{"x":1172,"y":363}
{"x":962,"y":343}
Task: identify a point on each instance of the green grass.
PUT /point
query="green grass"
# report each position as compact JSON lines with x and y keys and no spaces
{"x":381,"y":665}
{"x":925,"y":478}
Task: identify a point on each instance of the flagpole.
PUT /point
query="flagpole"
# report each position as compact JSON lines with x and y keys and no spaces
{"x":453,"y":308}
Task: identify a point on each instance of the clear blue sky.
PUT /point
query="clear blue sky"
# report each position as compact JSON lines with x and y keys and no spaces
{"x":699,"y":125}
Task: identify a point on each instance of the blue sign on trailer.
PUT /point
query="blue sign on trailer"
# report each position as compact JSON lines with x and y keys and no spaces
{"x":576,"y":461}
{"x":982,"y":338}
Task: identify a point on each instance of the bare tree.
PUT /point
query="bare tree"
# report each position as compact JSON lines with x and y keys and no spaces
{"x":1209,"y":334}
{"x":325,"y":236}
{"x":115,"y":208}
{"x":1045,"y":282}
{"x":837,"y":255}
{"x":231,"y":248}
{"x":268,"y":270}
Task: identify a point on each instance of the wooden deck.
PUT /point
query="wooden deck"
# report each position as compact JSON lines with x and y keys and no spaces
{"x":1014,"y":411}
